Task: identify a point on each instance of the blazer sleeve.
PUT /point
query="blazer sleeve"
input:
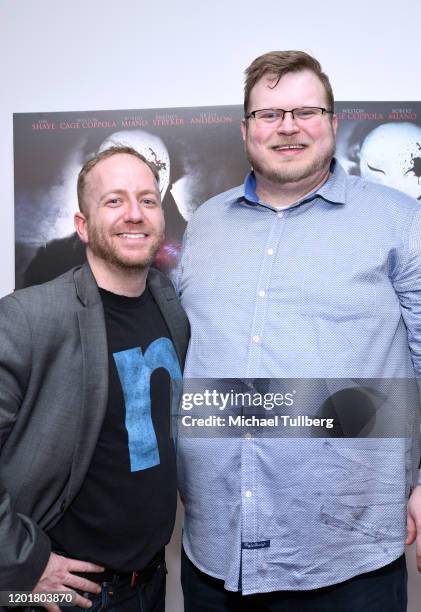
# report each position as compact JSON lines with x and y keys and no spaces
{"x":24,"y":547}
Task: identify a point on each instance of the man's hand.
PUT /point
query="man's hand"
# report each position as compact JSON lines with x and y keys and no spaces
{"x":413,"y":523}
{"x":58,"y":576}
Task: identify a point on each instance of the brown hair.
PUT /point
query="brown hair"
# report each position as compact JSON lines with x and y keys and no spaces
{"x":278,"y":63}
{"x":98,"y":157}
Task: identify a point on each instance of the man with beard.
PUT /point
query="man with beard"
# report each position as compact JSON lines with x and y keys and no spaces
{"x":88,"y":487}
{"x":302,"y":273}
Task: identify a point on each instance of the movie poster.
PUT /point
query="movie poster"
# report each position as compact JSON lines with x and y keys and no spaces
{"x":199,"y":153}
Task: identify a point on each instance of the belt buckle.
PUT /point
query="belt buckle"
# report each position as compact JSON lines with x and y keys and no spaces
{"x":134,"y":579}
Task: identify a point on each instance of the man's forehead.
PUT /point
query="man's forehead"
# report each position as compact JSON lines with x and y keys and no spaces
{"x":298,"y":82}
{"x":120,"y":170}
{"x":118,"y":162}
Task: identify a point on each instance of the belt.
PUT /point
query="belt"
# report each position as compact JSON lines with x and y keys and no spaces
{"x":132,"y":578}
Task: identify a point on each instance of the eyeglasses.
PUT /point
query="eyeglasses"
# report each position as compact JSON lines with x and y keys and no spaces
{"x":272,"y":116}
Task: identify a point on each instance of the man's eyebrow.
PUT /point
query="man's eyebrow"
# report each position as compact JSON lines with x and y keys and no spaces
{"x":112,"y":191}
{"x":119,"y":191}
{"x":148,"y":191}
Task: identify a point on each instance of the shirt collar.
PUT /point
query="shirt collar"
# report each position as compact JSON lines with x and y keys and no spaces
{"x":250,"y":188}
{"x":333,"y":190}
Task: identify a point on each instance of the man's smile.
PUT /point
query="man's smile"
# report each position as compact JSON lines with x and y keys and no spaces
{"x":132,"y":235}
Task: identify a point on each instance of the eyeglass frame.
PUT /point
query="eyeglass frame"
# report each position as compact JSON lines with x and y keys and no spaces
{"x":252,"y":114}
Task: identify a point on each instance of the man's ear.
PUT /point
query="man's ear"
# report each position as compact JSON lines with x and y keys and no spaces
{"x":81,"y":227}
{"x":243,"y":126}
{"x":334,"y":123}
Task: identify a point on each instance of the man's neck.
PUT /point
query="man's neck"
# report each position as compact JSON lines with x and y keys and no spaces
{"x":286,"y":194}
{"x":128,"y":282}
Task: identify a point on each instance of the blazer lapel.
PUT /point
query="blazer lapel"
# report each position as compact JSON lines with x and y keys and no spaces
{"x":95,"y":375}
{"x":172,"y":312}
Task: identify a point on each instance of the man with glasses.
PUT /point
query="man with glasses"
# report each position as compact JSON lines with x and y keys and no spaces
{"x":306,"y":273}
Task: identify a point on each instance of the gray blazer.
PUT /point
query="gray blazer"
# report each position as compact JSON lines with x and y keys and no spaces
{"x":53,"y":397}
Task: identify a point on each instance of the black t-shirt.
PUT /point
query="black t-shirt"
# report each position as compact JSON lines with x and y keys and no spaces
{"x":125,"y":510}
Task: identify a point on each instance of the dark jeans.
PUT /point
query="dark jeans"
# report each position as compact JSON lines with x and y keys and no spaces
{"x":383,"y":590}
{"x":119,"y":596}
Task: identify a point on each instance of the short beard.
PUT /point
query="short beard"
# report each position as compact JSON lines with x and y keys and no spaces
{"x":288,"y":174}
{"x":102,"y":250}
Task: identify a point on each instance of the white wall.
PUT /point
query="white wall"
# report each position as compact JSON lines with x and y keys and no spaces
{"x":93,"y":54}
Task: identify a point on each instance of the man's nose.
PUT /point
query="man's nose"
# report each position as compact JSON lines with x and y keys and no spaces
{"x":133,"y":212}
{"x":288,"y":125}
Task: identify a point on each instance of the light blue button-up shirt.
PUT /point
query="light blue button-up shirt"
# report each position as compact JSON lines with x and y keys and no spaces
{"x":327,"y":288}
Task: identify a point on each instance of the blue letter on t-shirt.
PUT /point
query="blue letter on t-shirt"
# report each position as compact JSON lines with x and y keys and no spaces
{"x":135,"y":371}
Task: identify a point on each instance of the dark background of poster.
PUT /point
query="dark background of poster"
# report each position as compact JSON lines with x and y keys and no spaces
{"x":206,"y":157}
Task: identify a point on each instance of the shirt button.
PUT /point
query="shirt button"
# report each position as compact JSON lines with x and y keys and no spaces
{"x":248,"y":494}
{"x":256,"y":339}
{"x":247,"y":436}
{"x":262,"y":293}
{"x":270,"y":251}
{"x":280,"y":214}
